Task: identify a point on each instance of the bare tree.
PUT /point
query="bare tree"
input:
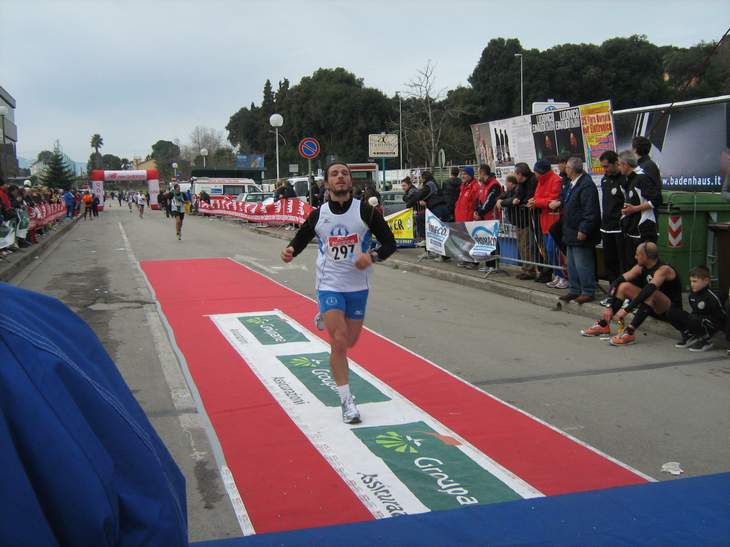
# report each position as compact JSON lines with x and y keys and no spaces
{"x":205,"y":137}
{"x":426,"y":120}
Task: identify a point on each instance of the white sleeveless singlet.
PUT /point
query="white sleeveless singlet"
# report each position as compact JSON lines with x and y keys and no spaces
{"x":341,"y":239}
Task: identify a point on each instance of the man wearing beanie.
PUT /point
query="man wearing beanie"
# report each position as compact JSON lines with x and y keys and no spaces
{"x":466,"y":204}
{"x":548,"y":190}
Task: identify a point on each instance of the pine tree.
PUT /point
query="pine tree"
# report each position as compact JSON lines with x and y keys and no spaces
{"x":58,"y":173}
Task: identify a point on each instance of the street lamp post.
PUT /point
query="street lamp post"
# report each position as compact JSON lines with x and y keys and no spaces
{"x":3,"y":113}
{"x":400,"y":130}
{"x":204,"y":153}
{"x":276,"y":121}
{"x":522,"y":93}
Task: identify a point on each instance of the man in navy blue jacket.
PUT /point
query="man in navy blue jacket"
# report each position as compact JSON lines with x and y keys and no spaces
{"x":581,"y":231}
{"x":80,"y":463}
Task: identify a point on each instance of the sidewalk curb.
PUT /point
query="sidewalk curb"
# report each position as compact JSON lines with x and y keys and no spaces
{"x":8,"y":271}
{"x":539,"y":298}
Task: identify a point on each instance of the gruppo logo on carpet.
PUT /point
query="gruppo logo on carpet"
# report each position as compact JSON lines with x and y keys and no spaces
{"x":313,"y":370}
{"x":433,"y":467}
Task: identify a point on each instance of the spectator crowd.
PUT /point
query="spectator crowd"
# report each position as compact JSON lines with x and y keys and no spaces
{"x":558,"y":219}
{"x":22,"y":221}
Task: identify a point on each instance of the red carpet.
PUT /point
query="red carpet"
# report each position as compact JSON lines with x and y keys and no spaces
{"x":284,"y":481}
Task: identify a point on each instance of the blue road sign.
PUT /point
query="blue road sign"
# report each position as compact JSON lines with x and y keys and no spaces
{"x":309,"y":148}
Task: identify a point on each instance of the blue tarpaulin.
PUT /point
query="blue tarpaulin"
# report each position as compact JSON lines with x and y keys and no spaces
{"x":80,"y":463}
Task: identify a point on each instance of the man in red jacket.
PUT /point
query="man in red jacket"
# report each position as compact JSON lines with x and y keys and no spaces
{"x":466,"y":204}
{"x":487,"y":196}
{"x":548,"y":189}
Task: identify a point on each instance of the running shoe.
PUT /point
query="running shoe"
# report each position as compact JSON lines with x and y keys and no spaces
{"x":552,"y":284}
{"x":702,"y":344}
{"x":596,"y":330}
{"x":606,"y":302}
{"x":623,"y":339}
{"x":350,"y":413}
{"x":179,"y":237}
{"x":687,"y":341}
{"x":319,"y":321}
{"x":562,"y":284}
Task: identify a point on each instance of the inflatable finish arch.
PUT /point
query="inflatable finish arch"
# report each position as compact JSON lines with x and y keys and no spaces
{"x":150,"y":176}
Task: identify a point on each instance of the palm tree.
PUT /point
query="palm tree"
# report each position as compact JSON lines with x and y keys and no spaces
{"x":96,"y":143}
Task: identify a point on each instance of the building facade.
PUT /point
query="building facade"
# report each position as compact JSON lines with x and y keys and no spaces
{"x":8,"y":135}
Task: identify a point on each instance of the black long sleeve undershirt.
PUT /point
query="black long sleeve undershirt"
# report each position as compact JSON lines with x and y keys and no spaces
{"x":370,"y":216}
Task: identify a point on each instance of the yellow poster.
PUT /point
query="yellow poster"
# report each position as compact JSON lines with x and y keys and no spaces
{"x":401,"y":224}
{"x":598,"y":135}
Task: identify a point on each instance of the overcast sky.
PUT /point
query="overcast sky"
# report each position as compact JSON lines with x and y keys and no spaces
{"x":138,"y":71}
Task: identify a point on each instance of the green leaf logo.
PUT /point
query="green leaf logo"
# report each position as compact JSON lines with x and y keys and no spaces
{"x":301,"y":361}
{"x":403,"y":444}
{"x":255,"y":320}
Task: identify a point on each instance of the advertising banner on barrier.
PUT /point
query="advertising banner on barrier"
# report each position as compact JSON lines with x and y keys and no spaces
{"x":43,"y":214}
{"x":7,"y":233}
{"x":284,"y":211}
{"x":401,"y":224}
{"x":468,"y":241}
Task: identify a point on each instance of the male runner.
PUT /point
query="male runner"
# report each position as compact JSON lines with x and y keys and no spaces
{"x":141,"y":201}
{"x":344,"y":227}
{"x":650,"y":288}
{"x":177,"y":205}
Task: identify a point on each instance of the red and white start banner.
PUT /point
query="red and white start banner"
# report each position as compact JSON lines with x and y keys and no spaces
{"x":284,"y":211}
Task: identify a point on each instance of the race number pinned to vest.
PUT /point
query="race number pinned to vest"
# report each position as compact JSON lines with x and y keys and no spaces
{"x":342,"y":247}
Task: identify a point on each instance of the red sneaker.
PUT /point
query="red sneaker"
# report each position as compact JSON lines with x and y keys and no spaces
{"x":623,"y":339}
{"x":596,"y":330}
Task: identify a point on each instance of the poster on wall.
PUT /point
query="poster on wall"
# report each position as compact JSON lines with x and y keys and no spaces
{"x":584,"y":131}
{"x":482,"y":137}
{"x":690,"y":144}
{"x":512,"y":141}
{"x":597,"y":123}
{"x":568,"y":133}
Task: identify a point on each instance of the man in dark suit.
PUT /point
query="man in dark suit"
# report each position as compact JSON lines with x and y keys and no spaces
{"x":581,"y":231}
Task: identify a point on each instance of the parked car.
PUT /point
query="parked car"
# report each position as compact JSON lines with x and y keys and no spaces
{"x":392,"y":202}
{"x":256,"y":197}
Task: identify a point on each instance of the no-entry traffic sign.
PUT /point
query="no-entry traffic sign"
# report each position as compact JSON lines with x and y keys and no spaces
{"x":309,"y":148}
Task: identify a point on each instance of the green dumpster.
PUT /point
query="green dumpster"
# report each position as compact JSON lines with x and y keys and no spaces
{"x":684,"y":239}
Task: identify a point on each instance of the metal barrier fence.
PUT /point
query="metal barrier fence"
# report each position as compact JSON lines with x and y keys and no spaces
{"x":524,"y":242}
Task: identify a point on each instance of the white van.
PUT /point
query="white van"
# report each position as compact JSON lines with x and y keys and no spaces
{"x":228,"y":187}
{"x":301,"y":184}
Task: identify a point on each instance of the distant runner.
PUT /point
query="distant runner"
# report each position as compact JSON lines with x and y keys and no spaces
{"x":141,"y":201}
{"x":344,"y":227}
{"x":178,"y":201}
